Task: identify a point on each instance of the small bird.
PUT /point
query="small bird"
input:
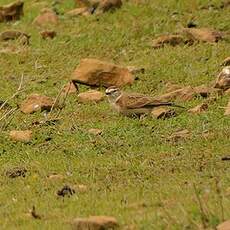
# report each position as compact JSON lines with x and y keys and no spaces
{"x":133,"y":104}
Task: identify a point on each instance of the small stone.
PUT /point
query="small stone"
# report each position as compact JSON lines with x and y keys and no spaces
{"x":81,"y":188}
{"x":94,"y":72}
{"x":95,"y":223}
{"x":95,"y":132}
{"x":183,"y":94}
{"x":106,"y":5}
{"x":227,"y":110}
{"x":227,"y":92}
{"x":182,"y":134}
{"x":46,"y":17}
{"x":202,"y":34}
{"x":225,"y":4}
{"x":199,"y":108}
{"x":90,"y":96}
{"x":15,"y":34}
{"x":21,"y":136}
{"x":83,"y":11}
{"x":170,"y":87}
{"x":70,"y":88}
{"x":226,"y":62}
{"x":135,"y":70}
{"x":36,"y":102}
{"x":172,"y":40}
{"x":82,"y":3}
{"x":55,"y":176}
{"x":12,"y":11}
{"x":208,"y":135}
{"x":162,"y":113}
{"x":223,"y":79}
{"x":224,"y":226}
{"x":203,"y":91}
{"x":48,"y":34}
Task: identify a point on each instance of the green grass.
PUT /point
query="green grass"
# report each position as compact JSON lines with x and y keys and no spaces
{"x":132,"y":162}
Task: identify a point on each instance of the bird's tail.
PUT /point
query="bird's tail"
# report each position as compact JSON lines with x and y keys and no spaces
{"x":169,"y":104}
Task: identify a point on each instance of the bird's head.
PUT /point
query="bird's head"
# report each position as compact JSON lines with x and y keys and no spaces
{"x":113,"y":92}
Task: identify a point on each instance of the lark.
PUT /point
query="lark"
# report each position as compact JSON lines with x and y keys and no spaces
{"x":133,"y":104}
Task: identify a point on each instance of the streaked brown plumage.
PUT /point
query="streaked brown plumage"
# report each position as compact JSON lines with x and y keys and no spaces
{"x":133,"y":103}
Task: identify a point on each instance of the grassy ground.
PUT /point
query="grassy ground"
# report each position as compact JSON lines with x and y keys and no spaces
{"x":131,"y":171}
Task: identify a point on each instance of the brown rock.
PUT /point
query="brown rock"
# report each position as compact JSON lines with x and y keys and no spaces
{"x":22,"y":136}
{"x":227,"y":110}
{"x":224,"y":226}
{"x":36,"y":102}
{"x":202,"y":34}
{"x":182,"y":134}
{"x":14,"y":34}
{"x":55,"y":176}
{"x":172,"y":40}
{"x":48,"y":34}
{"x":170,"y":87}
{"x":95,"y":132}
{"x":70,"y":88}
{"x":91,"y":96}
{"x":227,"y":92}
{"x":135,"y":70}
{"x":81,"y":188}
{"x":199,"y":108}
{"x":203,"y":91}
{"x":226,"y":62}
{"x":208,"y":135}
{"x":223,"y":79}
{"x":183,"y":94}
{"x":95,"y":223}
{"x":95,"y":73}
{"x":162,"y":113}
{"x":82,"y":3}
{"x":98,"y":6}
{"x":46,"y":17}
{"x":225,"y":4}
{"x":12,"y":11}
{"x":84,"y":11}
{"x":107,"y":5}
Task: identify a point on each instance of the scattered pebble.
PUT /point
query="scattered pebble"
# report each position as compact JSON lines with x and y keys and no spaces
{"x":48,"y":34}
{"x":224,"y":226}
{"x":199,"y":108}
{"x":36,"y":102}
{"x":90,"y":96}
{"x":46,"y":17}
{"x":95,"y":132}
{"x":162,"y":113}
{"x":21,"y":135}
{"x":95,"y":223}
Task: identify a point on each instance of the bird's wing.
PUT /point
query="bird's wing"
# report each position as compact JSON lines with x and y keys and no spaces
{"x":135,"y":101}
